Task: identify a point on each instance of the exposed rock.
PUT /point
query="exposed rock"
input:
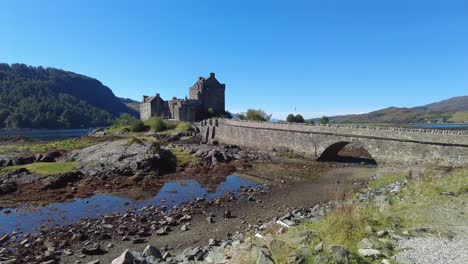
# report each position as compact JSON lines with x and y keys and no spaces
{"x":151,"y":251}
{"x":296,"y":260}
{"x":340,"y":254}
{"x":367,"y":243}
{"x":261,"y":255}
{"x":95,"y":250}
{"x":381,"y":233}
{"x":8,"y":187}
{"x":402,"y":260}
{"x":126,"y":258}
{"x":215,"y":257}
{"x":123,"y":156}
{"x":61,"y":180}
{"x":373,"y":253}
{"x":319,"y":247}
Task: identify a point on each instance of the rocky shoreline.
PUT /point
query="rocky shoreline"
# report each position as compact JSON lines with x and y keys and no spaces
{"x":395,"y":245}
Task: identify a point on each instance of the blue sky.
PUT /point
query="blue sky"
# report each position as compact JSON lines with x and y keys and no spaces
{"x":318,"y":57}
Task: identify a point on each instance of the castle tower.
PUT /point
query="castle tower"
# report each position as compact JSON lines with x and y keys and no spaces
{"x":211,"y":94}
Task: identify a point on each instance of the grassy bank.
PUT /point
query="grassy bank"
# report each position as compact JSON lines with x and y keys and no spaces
{"x":44,"y":147}
{"x":44,"y":168}
{"x":434,"y":202}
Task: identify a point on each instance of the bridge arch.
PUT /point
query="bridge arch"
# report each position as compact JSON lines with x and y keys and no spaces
{"x":347,"y":151}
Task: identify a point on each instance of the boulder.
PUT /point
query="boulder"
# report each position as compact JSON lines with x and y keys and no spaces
{"x":152,"y":251}
{"x":24,"y":160}
{"x":95,"y":250}
{"x":61,"y":180}
{"x":122,"y":156}
{"x":261,"y":255}
{"x":373,"y":253}
{"x":126,"y":258}
{"x":215,"y":257}
{"x":340,"y":254}
{"x":367,"y":243}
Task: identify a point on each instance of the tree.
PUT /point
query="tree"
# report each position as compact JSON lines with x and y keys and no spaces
{"x":295,"y":118}
{"x":299,"y":118}
{"x":37,"y":97}
{"x":257,"y":115}
{"x":324,"y":120}
{"x":124,"y":120}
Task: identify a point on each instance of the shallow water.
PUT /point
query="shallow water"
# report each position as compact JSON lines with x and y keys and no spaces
{"x":27,"y":219}
{"x":441,"y":126}
{"x":47,"y":135}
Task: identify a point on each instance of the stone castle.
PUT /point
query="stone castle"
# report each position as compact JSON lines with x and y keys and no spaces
{"x":206,"y":97}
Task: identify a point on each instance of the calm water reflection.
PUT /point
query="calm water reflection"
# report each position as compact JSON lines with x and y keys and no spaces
{"x":172,"y":193}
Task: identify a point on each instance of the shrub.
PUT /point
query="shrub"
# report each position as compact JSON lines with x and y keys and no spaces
{"x":184,"y":127}
{"x":138,"y":126}
{"x":158,"y":124}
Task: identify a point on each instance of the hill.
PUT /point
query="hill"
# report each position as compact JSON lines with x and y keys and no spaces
{"x":453,"y":110}
{"x":135,"y":105}
{"x":38,"y":97}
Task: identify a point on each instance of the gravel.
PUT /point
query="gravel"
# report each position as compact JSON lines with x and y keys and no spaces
{"x":432,"y":250}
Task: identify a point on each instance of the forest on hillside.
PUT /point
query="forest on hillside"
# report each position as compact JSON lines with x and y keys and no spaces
{"x":49,"y":98}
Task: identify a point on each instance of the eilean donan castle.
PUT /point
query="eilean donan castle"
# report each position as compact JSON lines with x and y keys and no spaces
{"x":206,"y":96}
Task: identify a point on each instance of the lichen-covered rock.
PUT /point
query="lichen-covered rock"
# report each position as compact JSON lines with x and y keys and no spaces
{"x":124,"y":156}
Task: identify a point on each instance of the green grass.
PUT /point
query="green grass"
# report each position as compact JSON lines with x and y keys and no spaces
{"x":45,"y":168}
{"x":114,"y":129}
{"x":386,"y":180}
{"x":184,"y":127}
{"x":345,"y":226}
{"x":67,"y":145}
{"x":183,"y":158}
{"x":289,"y":155}
{"x":423,"y":204}
{"x":459,"y":117}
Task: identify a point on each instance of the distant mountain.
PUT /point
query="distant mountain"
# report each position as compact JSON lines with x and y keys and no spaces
{"x":37,"y":97}
{"x":453,"y":110}
{"x":454,"y":104}
{"x":135,"y":105}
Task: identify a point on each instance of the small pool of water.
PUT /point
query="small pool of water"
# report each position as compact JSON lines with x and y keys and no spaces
{"x":27,"y":219}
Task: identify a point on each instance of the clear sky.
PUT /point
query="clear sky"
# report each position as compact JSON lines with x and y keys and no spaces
{"x":318,"y":57}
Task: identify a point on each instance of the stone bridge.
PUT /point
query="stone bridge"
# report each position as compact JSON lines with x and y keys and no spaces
{"x":386,"y":145}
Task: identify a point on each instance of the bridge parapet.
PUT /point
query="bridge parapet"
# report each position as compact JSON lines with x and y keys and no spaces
{"x":385,"y":144}
{"x":414,"y":134}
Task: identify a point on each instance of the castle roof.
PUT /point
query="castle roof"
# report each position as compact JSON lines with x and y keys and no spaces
{"x":149,"y":99}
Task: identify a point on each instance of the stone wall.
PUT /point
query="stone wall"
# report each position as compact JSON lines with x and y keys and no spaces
{"x":386,"y":145}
